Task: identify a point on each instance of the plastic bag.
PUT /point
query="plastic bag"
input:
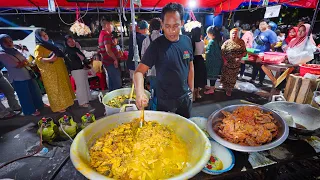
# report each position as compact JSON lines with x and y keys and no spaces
{"x":301,"y":55}
{"x":247,"y":87}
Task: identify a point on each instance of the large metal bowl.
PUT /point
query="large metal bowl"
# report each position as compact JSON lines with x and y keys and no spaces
{"x":216,"y":117}
{"x":197,"y":143}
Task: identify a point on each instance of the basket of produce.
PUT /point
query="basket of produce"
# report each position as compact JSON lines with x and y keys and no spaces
{"x":309,"y":68}
{"x":114,"y":100}
{"x":167,"y":146}
{"x":247,"y":128}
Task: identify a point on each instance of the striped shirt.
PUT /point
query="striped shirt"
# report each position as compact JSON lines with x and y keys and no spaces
{"x":104,"y":39}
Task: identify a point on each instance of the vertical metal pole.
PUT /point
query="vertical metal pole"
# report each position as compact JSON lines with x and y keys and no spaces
{"x":120,"y":20}
{"x":314,"y":18}
{"x":134,"y":35}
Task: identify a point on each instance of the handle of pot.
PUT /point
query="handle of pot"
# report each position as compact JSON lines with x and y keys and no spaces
{"x":274,"y":98}
{"x":100,"y":97}
{"x":126,"y":106}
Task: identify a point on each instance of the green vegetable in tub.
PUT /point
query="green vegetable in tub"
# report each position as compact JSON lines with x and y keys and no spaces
{"x":69,"y":126}
{"x":118,"y":101}
{"x":49,"y":129}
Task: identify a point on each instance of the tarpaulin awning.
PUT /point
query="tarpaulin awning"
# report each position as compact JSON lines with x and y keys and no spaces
{"x":218,"y":5}
{"x":230,"y":5}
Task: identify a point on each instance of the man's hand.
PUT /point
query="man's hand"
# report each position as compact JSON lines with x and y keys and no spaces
{"x":142,"y":101}
{"x":115,"y":63}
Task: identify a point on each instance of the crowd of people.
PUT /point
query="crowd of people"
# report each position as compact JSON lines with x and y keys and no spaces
{"x":177,"y":67}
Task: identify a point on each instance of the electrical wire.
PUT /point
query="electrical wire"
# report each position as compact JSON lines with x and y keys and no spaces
{"x":30,"y":155}
{"x":70,"y":24}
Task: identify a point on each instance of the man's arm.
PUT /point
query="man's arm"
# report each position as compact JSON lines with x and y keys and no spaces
{"x":109,"y":52}
{"x":191,"y":76}
{"x":138,"y":79}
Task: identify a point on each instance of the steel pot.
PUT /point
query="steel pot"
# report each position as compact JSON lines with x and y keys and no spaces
{"x":217,"y":116}
{"x":110,"y":95}
{"x":198,"y":144}
{"x":305,"y":117}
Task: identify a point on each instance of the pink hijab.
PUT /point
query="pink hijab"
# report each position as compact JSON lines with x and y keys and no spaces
{"x":298,"y":41}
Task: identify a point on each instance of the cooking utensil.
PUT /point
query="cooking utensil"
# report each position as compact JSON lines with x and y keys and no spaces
{"x":216,"y":117}
{"x":197,"y":143}
{"x":130,"y":100}
{"x":305,"y":117}
{"x":142,"y":117}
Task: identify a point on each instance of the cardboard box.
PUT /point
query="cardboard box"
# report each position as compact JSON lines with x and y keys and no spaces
{"x":299,"y":89}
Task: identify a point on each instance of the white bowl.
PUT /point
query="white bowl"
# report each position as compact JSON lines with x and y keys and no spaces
{"x":224,"y":154}
{"x":201,"y":122}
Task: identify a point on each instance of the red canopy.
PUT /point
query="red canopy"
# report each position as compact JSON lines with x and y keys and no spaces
{"x":218,"y":5}
{"x":229,"y":5}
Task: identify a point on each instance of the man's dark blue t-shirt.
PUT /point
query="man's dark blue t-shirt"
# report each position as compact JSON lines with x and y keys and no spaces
{"x":140,"y":38}
{"x":171,"y":60}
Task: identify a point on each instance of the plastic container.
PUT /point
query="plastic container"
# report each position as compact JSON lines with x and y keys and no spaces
{"x":274,"y":57}
{"x":309,"y":68}
{"x":252,"y":50}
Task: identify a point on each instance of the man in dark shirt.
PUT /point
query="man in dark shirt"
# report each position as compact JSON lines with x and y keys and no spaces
{"x":109,"y":55}
{"x":142,"y":29}
{"x":172,"y":55}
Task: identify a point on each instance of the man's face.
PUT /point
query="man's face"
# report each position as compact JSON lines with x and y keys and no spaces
{"x":263,"y":26}
{"x":109,"y":27}
{"x":172,"y":24}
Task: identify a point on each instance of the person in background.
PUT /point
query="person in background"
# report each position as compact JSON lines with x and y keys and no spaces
{"x":218,"y":36}
{"x":213,"y":61}
{"x":110,"y":56}
{"x":303,"y":20}
{"x":200,"y":74}
{"x":265,"y":41}
{"x":292,"y":33}
{"x":272,"y":26}
{"x":300,"y":43}
{"x":280,"y":38}
{"x":142,"y":30}
{"x":233,"y":51}
{"x":27,"y":90}
{"x":172,"y":55}
{"x":78,"y":65}
{"x":155,"y":28}
{"x":50,"y":61}
{"x":248,"y":40}
{"x":253,"y":28}
{"x":7,"y":89}
{"x":225,"y":33}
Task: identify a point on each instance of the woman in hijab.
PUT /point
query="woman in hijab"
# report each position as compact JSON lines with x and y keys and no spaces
{"x":213,"y":60}
{"x":232,"y":51}
{"x":78,"y":65}
{"x":27,"y":89}
{"x":50,"y":61}
{"x":291,"y":35}
{"x":200,"y":75}
{"x":300,"y":49}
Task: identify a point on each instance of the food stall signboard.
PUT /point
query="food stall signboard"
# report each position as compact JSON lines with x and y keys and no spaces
{"x":272,"y":11}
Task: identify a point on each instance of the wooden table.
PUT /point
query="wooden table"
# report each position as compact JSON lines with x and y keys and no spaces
{"x":282,"y":72}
